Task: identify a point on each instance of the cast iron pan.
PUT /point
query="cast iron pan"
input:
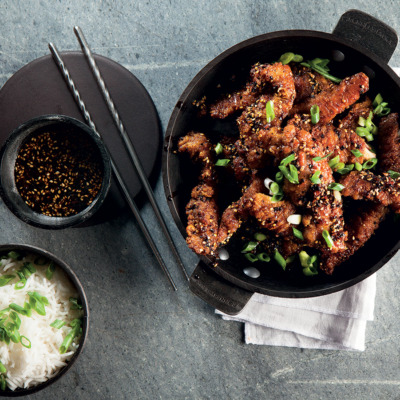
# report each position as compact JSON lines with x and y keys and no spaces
{"x":358,"y":43}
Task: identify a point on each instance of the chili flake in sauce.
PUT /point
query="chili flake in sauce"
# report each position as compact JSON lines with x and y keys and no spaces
{"x":58,"y":172}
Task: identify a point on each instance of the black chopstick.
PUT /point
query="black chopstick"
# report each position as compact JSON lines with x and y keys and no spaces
{"x":74,"y":91}
{"x":127,"y":142}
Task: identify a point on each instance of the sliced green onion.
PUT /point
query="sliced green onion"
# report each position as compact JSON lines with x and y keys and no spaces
{"x":315,"y":178}
{"x":334,"y":161}
{"x":75,"y":303}
{"x":14,"y":255}
{"x":259,"y":236}
{"x":222,"y":162}
{"x":393,"y":174}
{"x":276,"y":197}
{"x":58,"y":324}
{"x":248,"y":247}
{"x":304,"y":258}
{"x":310,"y":271}
{"x":358,"y":166}
{"x":279,"y":177}
{"x":3,"y":383}
{"x":297,"y":58}
{"x":335,"y":186}
{"x":362,"y":131}
{"x":380,"y":107}
{"x":290,"y":259}
{"x":264,"y":257}
{"x":314,"y":111}
{"x":370,"y":163}
{"x":3,"y":369}
{"x":17,"y":320}
{"x":298,"y":234}
{"x":274,"y":188}
{"x":279,"y":259}
{"x":18,"y":309}
{"x":322,"y":158}
{"x":50,"y":271}
{"x":38,"y":302}
{"x":251,"y":257}
{"x":269,"y":110}
{"x":294,"y":173}
{"x":28,"y":269}
{"x":69,"y":338}
{"x":320,"y":65}
{"x":346,"y":169}
{"x":328,"y":238}
{"x":4,"y":279}
{"x":378,"y":100}
{"x":286,"y":58}
{"x":357,"y":152}
{"x":288,"y":160}
{"x":25,"y":342}
{"x":219,"y":148}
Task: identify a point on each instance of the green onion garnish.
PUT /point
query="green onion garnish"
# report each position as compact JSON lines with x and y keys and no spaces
{"x":259,"y":236}
{"x":346,"y":169}
{"x":38,"y":302}
{"x":334,"y":161}
{"x":269,"y":110}
{"x":358,"y":166}
{"x":248,"y":247}
{"x":274,"y":188}
{"x":308,"y":263}
{"x":322,"y":158}
{"x":393,"y":174}
{"x":279,"y":259}
{"x":288,"y":160}
{"x":328,"y":238}
{"x":50,"y":271}
{"x":251,"y":257}
{"x":279,"y":177}
{"x":222,"y":162}
{"x":25,"y":342}
{"x":287,"y":174}
{"x":264,"y":257}
{"x":3,"y":369}
{"x":335,"y":186}
{"x":277,"y":197}
{"x":314,"y":111}
{"x":4,"y":279}
{"x":286,"y":58}
{"x":14,"y":255}
{"x":380,"y":107}
{"x":370,"y":163}
{"x":74,"y":332}
{"x":3,"y":383}
{"x":294,"y":173}
{"x":357,"y":152}
{"x":298,"y":234}
{"x":75,"y":303}
{"x":315,"y":178}
{"x":320,"y":65}
{"x":219,"y":148}
{"x":58,"y":324}
{"x":18,"y":309}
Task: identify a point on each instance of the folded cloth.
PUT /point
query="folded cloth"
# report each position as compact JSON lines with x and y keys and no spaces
{"x":335,"y":321}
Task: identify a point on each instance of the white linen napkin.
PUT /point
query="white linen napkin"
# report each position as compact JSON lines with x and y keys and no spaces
{"x":335,"y":321}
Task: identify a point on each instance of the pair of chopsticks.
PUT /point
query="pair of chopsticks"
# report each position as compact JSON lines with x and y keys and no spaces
{"x":128,"y":146}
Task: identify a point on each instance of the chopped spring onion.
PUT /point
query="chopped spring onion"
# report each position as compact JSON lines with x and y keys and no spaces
{"x":380,"y":107}
{"x":50,"y":271}
{"x":294,"y":219}
{"x":335,"y":186}
{"x":269,"y":110}
{"x":58,"y":324}
{"x":218,"y":148}
{"x":264,"y":257}
{"x":274,"y":188}
{"x":17,"y":320}
{"x":70,"y":337}
{"x":314,"y":112}
{"x":286,"y":58}
{"x":4,"y":279}
{"x":308,"y":263}
{"x":288,"y":160}
{"x":276,"y":197}
{"x":288,"y":175}
{"x":75,"y":303}
{"x":248,"y":247}
{"x":320,"y":65}
{"x":334,"y":161}
{"x":393,"y":174}
{"x":370,"y":163}
{"x":279,"y":259}
{"x":14,"y":255}
{"x":315,"y":178}
{"x":25,"y":342}
{"x":3,"y":369}
{"x":251,"y":257}
{"x":38,"y":302}
{"x":259,"y":236}
{"x":268,"y":182}
{"x":19,"y":309}
{"x":346,"y":169}
{"x":222,"y":162}
{"x":357,"y":153}
{"x":294,"y":173}
{"x":358,"y":166}
{"x":328,"y":238}
{"x":279,"y":177}
{"x":321,"y":158}
{"x":3,"y":383}
{"x":297,"y":233}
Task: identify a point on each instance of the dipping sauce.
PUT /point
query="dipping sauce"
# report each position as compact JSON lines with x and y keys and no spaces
{"x":58,"y":172}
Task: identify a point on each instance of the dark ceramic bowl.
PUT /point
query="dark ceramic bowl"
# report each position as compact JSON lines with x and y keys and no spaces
{"x":8,"y":157}
{"x":5,"y":248}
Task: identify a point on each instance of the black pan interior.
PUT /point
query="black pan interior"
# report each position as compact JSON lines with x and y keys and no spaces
{"x":228,"y":72}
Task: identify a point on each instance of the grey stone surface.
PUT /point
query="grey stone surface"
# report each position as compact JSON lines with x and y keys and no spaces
{"x":145,"y":341}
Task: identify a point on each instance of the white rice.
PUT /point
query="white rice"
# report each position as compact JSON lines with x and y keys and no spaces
{"x":29,"y":367}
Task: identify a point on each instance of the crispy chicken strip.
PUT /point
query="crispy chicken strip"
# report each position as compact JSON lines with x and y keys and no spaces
{"x":380,"y":189}
{"x":389,"y":143}
{"x":334,"y":101}
{"x":361,"y":226}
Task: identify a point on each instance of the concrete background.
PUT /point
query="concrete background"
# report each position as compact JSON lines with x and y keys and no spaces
{"x":145,"y":341}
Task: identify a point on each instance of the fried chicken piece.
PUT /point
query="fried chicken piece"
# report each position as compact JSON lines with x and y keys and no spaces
{"x":389,"y":143}
{"x":237,"y":212}
{"x":271,"y":215}
{"x":326,"y":214}
{"x":377,"y":188}
{"x":361,"y":226}
{"x":334,"y":101}
{"x":362,"y":109}
{"x":202,"y":220}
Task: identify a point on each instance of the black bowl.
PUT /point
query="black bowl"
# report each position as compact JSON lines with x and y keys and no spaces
{"x":8,"y":156}
{"x":85,"y":319}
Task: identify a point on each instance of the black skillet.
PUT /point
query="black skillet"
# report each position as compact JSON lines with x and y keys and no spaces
{"x":358,"y":43}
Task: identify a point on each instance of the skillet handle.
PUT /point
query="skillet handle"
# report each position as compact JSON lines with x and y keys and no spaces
{"x":216,"y":291}
{"x":369,"y":32}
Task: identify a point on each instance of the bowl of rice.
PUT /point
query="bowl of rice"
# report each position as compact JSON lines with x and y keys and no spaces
{"x":44,"y":319}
